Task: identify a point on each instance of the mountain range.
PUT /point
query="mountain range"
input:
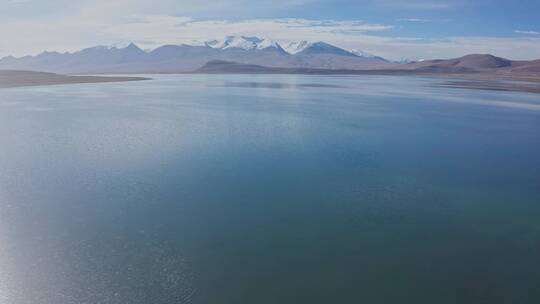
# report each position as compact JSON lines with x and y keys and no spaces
{"x":250,"y":52}
{"x":185,"y":58}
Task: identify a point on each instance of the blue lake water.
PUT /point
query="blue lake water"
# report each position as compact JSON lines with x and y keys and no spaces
{"x":269,"y":189}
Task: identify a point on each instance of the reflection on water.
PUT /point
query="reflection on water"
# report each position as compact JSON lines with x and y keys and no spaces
{"x":194,"y":189}
{"x":278,"y":85}
{"x":496,"y":85}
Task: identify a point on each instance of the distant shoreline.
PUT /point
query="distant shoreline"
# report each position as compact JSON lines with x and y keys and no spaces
{"x":495,"y":80}
{"x":529,"y":83}
{"x":13,"y":79}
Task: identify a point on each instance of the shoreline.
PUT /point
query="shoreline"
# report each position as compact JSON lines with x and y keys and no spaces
{"x":493,"y":85}
{"x":15,"y":79}
{"x":505,"y":82}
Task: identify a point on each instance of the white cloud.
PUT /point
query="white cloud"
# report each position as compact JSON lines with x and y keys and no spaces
{"x":95,"y":26}
{"x":101,"y":23}
{"x":414,"y":48}
{"x":416,"y":4}
{"x":527,"y":32}
{"x":420,"y":20}
{"x":166,"y":29}
{"x":17,"y":2}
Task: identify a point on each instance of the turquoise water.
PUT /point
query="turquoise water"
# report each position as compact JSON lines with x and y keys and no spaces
{"x":269,"y":189}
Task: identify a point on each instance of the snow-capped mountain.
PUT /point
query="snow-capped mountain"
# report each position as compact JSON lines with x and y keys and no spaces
{"x":360,"y":53}
{"x":407,"y":61}
{"x":243,"y":42}
{"x":189,"y":57}
{"x":296,"y":46}
{"x":366,"y":55}
{"x":319,"y":48}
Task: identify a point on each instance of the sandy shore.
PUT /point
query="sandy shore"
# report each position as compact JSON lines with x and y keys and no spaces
{"x":9,"y":79}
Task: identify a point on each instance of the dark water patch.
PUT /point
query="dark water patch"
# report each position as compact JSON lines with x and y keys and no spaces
{"x":508,"y":86}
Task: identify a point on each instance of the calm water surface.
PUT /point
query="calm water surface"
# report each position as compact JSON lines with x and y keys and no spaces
{"x":269,"y":189}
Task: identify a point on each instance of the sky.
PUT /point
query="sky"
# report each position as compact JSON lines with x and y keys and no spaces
{"x":413,"y":29}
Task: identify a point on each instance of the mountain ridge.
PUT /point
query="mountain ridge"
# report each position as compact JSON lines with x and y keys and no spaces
{"x":187,"y":57}
{"x":248,"y":51}
{"x":474,"y":64}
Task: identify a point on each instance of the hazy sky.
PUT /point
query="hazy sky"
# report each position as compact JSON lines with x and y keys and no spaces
{"x":410,"y":29}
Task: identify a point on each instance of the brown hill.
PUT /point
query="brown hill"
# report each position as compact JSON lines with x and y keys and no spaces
{"x":469,"y":63}
{"x":527,"y":67}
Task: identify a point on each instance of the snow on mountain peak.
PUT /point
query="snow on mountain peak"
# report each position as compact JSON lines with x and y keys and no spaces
{"x":315,"y":47}
{"x":362,"y":54}
{"x":296,"y":46}
{"x":267,"y":43}
{"x":242,"y":42}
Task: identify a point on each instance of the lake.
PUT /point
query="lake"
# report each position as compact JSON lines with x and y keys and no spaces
{"x":269,"y":189}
